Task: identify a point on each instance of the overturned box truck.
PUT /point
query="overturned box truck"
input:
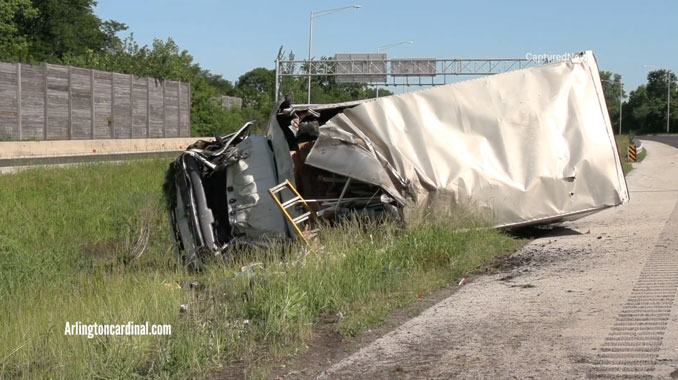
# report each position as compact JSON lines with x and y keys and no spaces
{"x":531,"y":146}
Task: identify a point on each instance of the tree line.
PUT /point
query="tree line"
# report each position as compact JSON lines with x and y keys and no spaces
{"x":68,"y":32}
{"x":644,"y":111}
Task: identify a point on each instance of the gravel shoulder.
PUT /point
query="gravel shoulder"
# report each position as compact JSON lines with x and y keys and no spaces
{"x":558,"y":314}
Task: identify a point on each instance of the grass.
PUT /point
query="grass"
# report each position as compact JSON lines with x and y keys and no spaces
{"x":67,"y":241}
{"x":623,"y":142}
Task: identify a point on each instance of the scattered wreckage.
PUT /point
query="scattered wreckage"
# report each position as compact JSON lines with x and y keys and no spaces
{"x":531,"y":146}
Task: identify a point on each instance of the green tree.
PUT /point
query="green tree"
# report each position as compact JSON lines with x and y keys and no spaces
{"x":67,"y":27}
{"x":14,"y":44}
{"x":646,"y":109}
{"x":256,"y":86}
{"x":111,"y":28}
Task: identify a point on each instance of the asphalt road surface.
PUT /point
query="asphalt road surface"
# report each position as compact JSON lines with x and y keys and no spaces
{"x":671,"y":140}
{"x":594,"y":300}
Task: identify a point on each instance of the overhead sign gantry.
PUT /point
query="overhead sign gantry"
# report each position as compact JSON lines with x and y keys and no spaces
{"x":376,"y":69}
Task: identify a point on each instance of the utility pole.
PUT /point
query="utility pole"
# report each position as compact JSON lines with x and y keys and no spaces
{"x":668,"y":99}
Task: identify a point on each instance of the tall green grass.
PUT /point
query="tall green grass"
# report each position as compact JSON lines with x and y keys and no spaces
{"x":66,"y":242}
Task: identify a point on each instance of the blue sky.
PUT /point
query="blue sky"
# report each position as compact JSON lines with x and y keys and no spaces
{"x":232,"y":37}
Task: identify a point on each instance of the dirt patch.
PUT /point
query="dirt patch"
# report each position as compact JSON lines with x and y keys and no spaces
{"x":103,"y":249}
{"x":547,"y":251}
{"x":328,"y":346}
{"x":233,"y":371}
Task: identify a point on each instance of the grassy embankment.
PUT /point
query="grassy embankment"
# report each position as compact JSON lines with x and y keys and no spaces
{"x":623,"y":142}
{"x":67,"y":241}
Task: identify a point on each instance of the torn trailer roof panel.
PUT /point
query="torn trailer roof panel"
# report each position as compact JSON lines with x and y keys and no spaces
{"x":523,"y":146}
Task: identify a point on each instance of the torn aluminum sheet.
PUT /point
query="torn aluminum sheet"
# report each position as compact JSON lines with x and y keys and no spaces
{"x":526,"y":147}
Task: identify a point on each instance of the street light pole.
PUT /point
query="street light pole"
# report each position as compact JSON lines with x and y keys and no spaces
{"x":315,"y":14}
{"x":668,"y":99}
{"x":384,"y":47}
